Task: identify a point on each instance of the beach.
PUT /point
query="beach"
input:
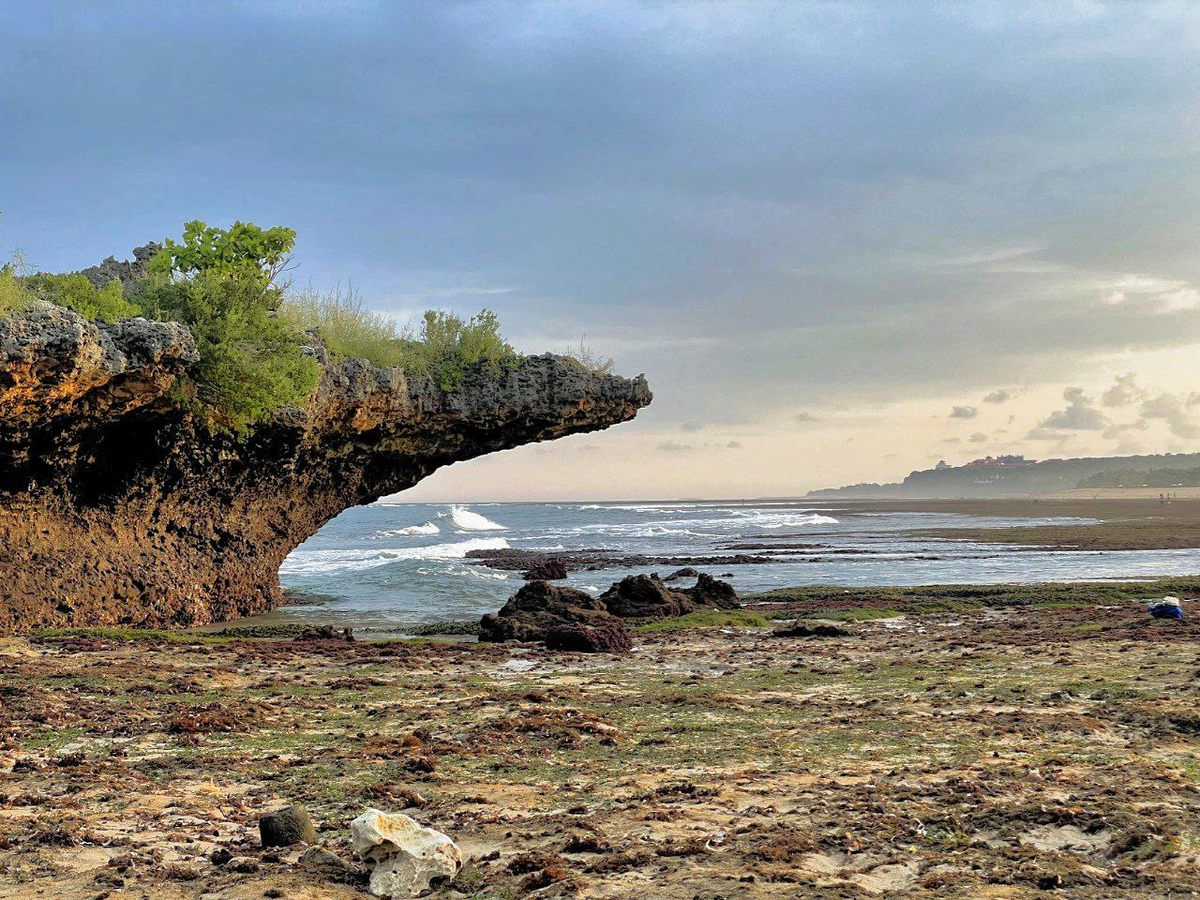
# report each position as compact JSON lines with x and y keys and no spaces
{"x":933,"y":743}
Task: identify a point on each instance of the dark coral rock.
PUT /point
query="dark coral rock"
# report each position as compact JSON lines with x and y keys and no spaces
{"x":549,"y":569}
{"x":603,"y":637}
{"x":539,"y":607}
{"x":643,"y":597}
{"x":709,"y":592}
{"x":287,"y":826}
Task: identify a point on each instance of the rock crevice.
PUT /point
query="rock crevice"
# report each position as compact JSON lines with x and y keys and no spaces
{"x":117,"y":507}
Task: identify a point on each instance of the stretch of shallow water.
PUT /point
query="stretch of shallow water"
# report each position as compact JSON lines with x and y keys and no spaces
{"x":394,"y":564}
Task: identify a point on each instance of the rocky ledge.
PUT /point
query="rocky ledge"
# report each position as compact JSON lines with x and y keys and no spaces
{"x":118,"y":507}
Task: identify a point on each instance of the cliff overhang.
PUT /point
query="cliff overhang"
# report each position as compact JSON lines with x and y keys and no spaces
{"x":119,"y":507}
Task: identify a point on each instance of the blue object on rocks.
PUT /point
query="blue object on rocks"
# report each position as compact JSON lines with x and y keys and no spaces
{"x":1166,"y":611}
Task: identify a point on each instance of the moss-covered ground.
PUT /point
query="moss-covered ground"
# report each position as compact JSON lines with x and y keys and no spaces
{"x":971,"y":749}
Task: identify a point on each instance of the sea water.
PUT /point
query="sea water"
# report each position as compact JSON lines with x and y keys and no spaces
{"x":394,"y":564}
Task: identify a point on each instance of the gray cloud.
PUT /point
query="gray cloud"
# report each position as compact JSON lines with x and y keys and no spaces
{"x":1080,"y":414}
{"x":749,"y":202}
{"x":691,"y":426}
{"x":1175,"y":411}
{"x":1000,"y":396}
{"x":964,"y":412}
{"x":805,"y":417}
{"x":675,"y":447}
{"x":979,"y":438}
{"x":1124,"y":392}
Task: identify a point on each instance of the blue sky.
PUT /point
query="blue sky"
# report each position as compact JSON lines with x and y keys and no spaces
{"x":817,"y":227}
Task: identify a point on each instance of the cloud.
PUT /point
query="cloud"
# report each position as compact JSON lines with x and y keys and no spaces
{"x":1080,"y":414}
{"x":1175,"y":411}
{"x":805,"y":417}
{"x":675,"y":447}
{"x":1160,"y":296}
{"x":964,"y":412}
{"x":733,"y":445}
{"x":950,"y":441}
{"x":998,"y":397}
{"x":1124,"y":392}
{"x":691,"y":426}
{"x":978,"y":438}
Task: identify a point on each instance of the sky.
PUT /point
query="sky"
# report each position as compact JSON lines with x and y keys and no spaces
{"x":842,"y":240}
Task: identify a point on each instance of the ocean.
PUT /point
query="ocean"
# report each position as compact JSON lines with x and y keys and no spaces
{"x":393,"y":564}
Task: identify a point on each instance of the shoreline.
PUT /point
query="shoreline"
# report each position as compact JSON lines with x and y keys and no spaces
{"x":943,"y":746}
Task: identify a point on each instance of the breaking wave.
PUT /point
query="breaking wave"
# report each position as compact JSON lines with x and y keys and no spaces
{"x":465,"y":520}
{"x":798,"y":522}
{"x":423,"y":528}
{"x":325,"y":562}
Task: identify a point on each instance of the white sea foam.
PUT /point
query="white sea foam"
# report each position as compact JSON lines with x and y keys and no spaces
{"x":325,"y":562}
{"x":802,"y":521}
{"x":423,"y":528}
{"x":465,"y":520}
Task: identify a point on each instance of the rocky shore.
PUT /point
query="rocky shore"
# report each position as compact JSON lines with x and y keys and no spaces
{"x":995,"y":742}
{"x":117,"y":507}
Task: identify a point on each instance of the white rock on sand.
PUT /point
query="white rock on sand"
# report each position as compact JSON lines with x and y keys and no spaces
{"x":406,"y":855}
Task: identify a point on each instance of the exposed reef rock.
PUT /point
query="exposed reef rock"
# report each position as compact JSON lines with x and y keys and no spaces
{"x":512,"y":559}
{"x":564,"y":618}
{"x":118,"y":507}
{"x":646,"y":597}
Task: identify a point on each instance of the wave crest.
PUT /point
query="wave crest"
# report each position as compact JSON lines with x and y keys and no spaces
{"x":325,"y":562}
{"x":465,"y":520}
{"x":423,"y":528}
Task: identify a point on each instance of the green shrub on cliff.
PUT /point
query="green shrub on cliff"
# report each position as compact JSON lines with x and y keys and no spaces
{"x":221,"y":285}
{"x":447,"y":347}
{"x":348,"y":328}
{"x":12,"y":295}
{"x":450,"y":346}
{"x":96,"y":304}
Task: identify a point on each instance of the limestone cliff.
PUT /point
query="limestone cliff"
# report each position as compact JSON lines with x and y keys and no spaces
{"x":117,"y":507}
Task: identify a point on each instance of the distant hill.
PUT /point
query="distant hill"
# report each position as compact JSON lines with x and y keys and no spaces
{"x":1152,"y":478}
{"x":1009,"y":476}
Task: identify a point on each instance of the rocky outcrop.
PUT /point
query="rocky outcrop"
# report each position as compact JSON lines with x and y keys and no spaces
{"x":646,"y":597}
{"x":118,"y":507}
{"x":564,"y":618}
{"x":128,"y":272}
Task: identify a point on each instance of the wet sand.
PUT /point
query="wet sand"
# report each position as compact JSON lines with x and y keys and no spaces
{"x":1140,"y":523}
{"x":995,"y":751}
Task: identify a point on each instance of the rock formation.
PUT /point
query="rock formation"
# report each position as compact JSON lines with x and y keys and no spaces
{"x":564,"y":618}
{"x":646,"y":597}
{"x":118,"y":507}
{"x":568,"y":619}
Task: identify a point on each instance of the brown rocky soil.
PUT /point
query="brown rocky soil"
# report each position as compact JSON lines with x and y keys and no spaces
{"x":1005,"y":752}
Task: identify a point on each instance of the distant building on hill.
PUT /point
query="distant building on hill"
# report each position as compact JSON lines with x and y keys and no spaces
{"x":992,"y":462}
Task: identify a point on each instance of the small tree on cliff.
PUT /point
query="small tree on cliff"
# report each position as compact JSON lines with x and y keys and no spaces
{"x":221,"y":283}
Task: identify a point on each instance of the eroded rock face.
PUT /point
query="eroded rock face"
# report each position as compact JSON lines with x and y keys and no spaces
{"x":118,"y":508}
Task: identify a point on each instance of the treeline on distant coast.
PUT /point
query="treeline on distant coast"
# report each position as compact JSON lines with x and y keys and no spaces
{"x":1153,"y":478}
{"x":254,"y":333}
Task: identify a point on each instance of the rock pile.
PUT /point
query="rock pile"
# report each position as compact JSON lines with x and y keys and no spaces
{"x":568,"y":619}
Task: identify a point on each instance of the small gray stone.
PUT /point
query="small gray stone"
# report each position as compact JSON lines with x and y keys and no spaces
{"x":287,"y":826}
